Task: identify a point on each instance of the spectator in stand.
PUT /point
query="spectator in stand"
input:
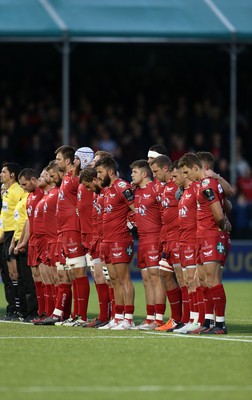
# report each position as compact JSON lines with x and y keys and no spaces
{"x":244,"y":184}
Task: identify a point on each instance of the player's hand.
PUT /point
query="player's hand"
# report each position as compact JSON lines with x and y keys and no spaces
{"x":211,"y":174}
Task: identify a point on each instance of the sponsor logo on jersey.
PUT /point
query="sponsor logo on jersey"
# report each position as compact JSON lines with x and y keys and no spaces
{"x":5,"y":206}
{"x":51,"y":194}
{"x":142,"y":210}
{"x":16,"y":215}
{"x":183,"y":211}
{"x":34,"y":196}
{"x":205,"y":182}
{"x":112,"y":194}
{"x":61,"y":195}
{"x":73,"y":250}
{"x":187,"y":196}
{"x":208,"y":253}
{"x":220,"y":189}
{"x":117,"y":255}
{"x":168,"y":189}
{"x":153,"y":258}
{"x":220,"y":248}
{"x":108,"y":208}
{"x":122,"y":184}
{"x":165,"y":203}
{"x":79,"y":196}
{"x":189,"y":257}
{"x":129,"y":250}
{"x":146,"y":196}
{"x":29,"y":211}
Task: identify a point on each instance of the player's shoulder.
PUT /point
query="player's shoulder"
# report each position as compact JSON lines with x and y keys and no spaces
{"x":208,"y":182}
{"x":121,"y":184}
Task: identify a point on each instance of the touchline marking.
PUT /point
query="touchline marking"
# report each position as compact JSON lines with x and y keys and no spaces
{"x":79,"y":337}
{"x":200,"y":337}
{"x":147,"y":335}
{"x":178,"y":388}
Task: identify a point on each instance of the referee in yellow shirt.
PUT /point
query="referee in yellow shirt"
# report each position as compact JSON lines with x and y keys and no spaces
{"x":26,"y":287}
{"x":10,"y":197}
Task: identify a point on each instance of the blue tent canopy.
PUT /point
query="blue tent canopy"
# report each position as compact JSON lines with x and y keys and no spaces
{"x":182,"y":21}
{"x":121,"y":20}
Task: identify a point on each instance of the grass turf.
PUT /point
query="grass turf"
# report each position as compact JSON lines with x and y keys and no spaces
{"x":59,"y":363}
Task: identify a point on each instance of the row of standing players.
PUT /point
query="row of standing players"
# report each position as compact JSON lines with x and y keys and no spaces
{"x":80,"y":212}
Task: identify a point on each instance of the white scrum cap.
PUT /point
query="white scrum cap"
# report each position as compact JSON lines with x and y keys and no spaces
{"x":85,"y":155}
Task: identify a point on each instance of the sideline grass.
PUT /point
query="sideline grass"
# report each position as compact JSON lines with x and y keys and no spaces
{"x":56,"y":363}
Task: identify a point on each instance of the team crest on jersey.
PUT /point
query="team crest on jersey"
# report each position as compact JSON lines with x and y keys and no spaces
{"x":61,"y":195}
{"x":183,"y":211}
{"x":142,"y":210}
{"x":108,"y":209}
{"x":165,"y":203}
{"x":205,"y":182}
{"x":220,"y":188}
{"x":221,"y":248}
{"x":122,"y":184}
{"x":129,"y":250}
{"x":29,"y":211}
{"x":98,"y":208}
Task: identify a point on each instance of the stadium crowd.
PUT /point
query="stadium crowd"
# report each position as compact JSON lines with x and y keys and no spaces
{"x":155,"y":102}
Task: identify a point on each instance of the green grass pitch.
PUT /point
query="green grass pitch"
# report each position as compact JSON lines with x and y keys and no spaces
{"x":63,"y":363}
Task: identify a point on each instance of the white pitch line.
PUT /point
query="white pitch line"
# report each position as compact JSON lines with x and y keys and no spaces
{"x":120,"y":389}
{"x":200,"y":337}
{"x":149,"y":335}
{"x":82,"y":337}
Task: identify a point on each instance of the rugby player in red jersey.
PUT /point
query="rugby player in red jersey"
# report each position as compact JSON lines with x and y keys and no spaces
{"x":45,"y":184}
{"x":212,"y":249}
{"x":88,"y":178}
{"x":118,"y":246}
{"x":63,"y":292}
{"x":169,"y":239}
{"x":69,"y":228}
{"x":148,"y":222}
{"x":28,"y":179}
{"x":187,"y":209}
